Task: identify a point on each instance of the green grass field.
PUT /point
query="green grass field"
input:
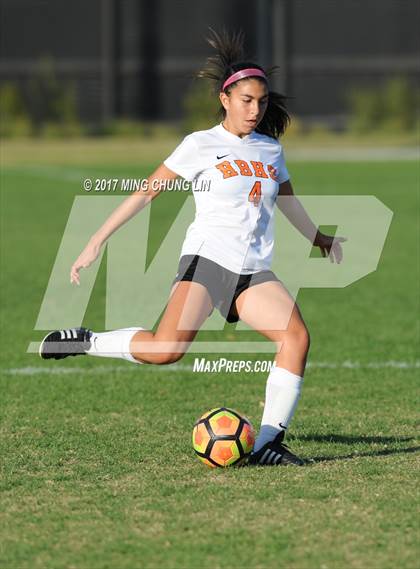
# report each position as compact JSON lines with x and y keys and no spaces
{"x":97,"y":465}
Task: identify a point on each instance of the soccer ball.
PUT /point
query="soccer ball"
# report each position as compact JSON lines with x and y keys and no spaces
{"x":223,"y":437}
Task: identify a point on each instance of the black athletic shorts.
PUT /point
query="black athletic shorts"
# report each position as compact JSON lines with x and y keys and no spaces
{"x":223,"y":285}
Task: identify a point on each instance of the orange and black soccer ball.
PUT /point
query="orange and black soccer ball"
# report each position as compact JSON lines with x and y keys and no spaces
{"x":223,"y":437}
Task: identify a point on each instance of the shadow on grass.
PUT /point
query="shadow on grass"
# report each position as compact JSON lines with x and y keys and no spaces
{"x":351,"y":440}
{"x":383,"y":452}
{"x":332,"y":438}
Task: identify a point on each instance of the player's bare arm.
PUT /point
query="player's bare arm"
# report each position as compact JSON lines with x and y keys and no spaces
{"x":293,"y":209}
{"x":123,"y":213}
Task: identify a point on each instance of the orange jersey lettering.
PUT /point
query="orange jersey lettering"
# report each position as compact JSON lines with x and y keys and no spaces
{"x":244,"y":168}
{"x":227,"y":169}
{"x":259,"y":169}
{"x":272,"y":172}
{"x":255,"y":194}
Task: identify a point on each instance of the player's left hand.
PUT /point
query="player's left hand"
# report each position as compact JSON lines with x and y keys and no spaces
{"x":330,"y":246}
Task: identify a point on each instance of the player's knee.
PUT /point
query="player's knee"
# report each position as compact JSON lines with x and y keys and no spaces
{"x":300,"y":338}
{"x":170,"y":350}
{"x":304,"y":339}
{"x":170,"y":357}
{"x":156,"y":358}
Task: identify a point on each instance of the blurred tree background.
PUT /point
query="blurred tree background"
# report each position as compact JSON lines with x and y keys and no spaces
{"x":127,"y":68}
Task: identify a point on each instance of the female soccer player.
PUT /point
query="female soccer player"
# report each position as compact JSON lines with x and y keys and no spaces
{"x":226,"y":256}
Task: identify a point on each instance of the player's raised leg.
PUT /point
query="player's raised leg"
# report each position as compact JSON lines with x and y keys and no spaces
{"x":188,"y":307}
{"x":269,"y":309}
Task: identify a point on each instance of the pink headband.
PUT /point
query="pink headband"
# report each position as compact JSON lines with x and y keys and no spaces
{"x":241,"y":74}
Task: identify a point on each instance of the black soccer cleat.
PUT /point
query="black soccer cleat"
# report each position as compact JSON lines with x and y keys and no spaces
{"x":63,"y":343}
{"x":275,"y":453}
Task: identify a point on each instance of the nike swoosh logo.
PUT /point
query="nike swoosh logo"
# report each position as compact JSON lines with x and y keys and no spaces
{"x":220,"y":157}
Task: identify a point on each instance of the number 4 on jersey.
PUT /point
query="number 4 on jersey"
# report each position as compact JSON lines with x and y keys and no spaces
{"x":255,"y":194}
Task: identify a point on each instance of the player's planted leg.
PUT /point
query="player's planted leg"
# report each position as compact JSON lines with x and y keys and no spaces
{"x":275,"y":453}
{"x":270,"y":310}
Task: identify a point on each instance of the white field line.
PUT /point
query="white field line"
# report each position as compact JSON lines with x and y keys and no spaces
{"x":61,"y":370}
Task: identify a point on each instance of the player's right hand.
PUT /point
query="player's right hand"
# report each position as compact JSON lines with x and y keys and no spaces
{"x":85,"y":259}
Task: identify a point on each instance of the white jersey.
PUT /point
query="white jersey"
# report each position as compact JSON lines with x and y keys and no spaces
{"x":234,"y":221}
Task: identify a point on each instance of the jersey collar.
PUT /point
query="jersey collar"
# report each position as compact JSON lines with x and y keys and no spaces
{"x":244,"y":140}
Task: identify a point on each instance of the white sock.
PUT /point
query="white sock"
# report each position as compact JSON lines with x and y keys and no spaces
{"x":115,"y":344}
{"x":281,"y":398}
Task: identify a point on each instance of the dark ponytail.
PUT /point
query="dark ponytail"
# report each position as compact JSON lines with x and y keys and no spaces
{"x":229,"y":58}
